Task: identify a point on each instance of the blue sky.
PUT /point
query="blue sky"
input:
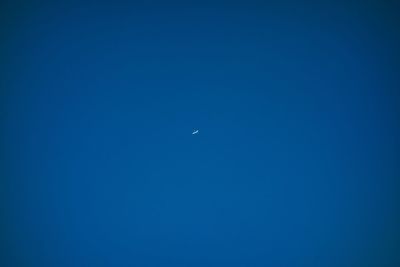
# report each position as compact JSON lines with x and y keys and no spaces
{"x":295,"y":163}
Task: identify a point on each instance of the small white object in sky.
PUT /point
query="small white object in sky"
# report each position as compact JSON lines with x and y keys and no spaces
{"x":196,"y":132}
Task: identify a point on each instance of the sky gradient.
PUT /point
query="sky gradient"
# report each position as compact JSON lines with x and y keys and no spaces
{"x":296,"y":162}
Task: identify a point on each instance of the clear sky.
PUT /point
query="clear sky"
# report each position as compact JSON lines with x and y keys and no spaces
{"x":296,"y":162}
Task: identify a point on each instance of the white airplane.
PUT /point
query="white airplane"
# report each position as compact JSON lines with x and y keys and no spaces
{"x":195,"y":132}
